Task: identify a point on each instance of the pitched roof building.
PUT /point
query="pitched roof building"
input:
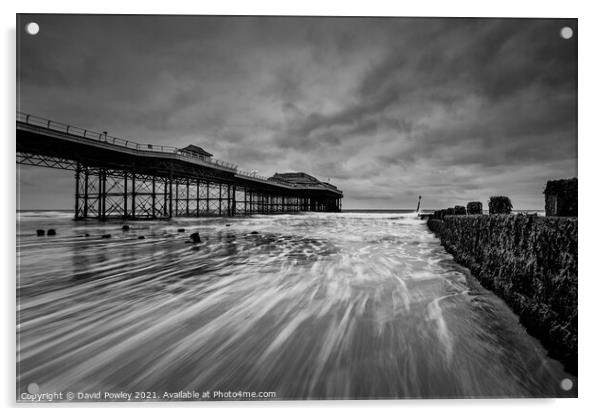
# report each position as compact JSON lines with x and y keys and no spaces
{"x":197,"y":150}
{"x":301,"y":178}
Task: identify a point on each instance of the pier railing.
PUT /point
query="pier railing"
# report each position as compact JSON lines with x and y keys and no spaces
{"x":105,"y":138}
{"x":251,"y":175}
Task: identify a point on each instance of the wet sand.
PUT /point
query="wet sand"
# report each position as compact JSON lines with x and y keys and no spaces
{"x":318,"y":306}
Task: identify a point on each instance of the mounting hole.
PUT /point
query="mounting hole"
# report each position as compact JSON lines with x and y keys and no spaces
{"x":32,"y":28}
{"x":566,"y":32}
{"x":566,"y":384}
{"x":33,"y":388}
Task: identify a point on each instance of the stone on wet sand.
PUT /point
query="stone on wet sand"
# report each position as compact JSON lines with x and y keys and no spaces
{"x":40,"y":233}
{"x":195,"y":237}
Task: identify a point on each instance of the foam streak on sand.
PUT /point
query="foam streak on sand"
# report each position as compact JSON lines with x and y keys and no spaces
{"x":309,"y":306}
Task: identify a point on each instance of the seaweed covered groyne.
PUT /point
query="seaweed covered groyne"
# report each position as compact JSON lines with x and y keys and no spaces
{"x":530,"y":262}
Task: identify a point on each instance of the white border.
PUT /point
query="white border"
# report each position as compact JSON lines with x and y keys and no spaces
{"x":590,"y":114}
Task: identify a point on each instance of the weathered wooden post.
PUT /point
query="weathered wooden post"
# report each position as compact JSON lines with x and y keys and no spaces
{"x":500,"y":205}
{"x":459,"y":210}
{"x":474,"y":208}
{"x":561,"y":198}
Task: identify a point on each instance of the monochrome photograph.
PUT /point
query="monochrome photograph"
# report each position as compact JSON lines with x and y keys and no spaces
{"x":283,"y":208}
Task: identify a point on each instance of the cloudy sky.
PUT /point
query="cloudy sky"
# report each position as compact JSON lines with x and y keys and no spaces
{"x":388,"y":109}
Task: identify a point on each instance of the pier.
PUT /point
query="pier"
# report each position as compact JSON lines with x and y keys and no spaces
{"x":122,"y":179}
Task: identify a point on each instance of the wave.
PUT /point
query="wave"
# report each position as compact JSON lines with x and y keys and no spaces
{"x":317,"y":305}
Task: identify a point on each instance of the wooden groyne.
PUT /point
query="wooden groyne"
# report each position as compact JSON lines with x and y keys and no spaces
{"x":529,"y":261}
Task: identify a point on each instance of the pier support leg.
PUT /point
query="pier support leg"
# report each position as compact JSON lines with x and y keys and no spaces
{"x":220,"y":200}
{"x":154,"y":199}
{"x":244,"y":192}
{"x":177,"y":204}
{"x":198,"y":197}
{"x":229,"y":201}
{"x":133,"y":195}
{"x":77,"y":185}
{"x":187,"y":197}
{"x":86,"y":179}
{"x":125,"y":194}
{"x":102,"y":200}
{"x":207,"y":211}
{"x":233,"y":213}
{"x":163,"y":197}
{"x":170,"y":213}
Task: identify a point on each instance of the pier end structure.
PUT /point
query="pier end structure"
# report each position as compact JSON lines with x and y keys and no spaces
{"x":317,"y":202}
{"x":122,"y":179}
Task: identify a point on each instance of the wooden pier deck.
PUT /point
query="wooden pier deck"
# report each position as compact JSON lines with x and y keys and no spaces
{"x":118,"y":178}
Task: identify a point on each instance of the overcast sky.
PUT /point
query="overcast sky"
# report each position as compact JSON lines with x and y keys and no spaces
{"x":454,"y":110}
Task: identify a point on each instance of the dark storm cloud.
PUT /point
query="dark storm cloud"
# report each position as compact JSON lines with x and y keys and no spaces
{"x":452,"y":109}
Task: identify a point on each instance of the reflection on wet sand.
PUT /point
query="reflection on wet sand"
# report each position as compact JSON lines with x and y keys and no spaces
{"x":307,"y":306}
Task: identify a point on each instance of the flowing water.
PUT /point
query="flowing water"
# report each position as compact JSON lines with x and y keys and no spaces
{"x":352,"y":305}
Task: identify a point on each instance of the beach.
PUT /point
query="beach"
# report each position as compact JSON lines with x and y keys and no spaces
{"x":314,"y":305}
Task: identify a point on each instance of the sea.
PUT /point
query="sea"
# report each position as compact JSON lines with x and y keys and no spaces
{"x":352,"y":305}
